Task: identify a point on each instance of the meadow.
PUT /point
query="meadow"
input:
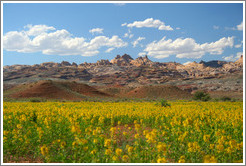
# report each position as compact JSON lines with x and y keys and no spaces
{"x":118,"y":132}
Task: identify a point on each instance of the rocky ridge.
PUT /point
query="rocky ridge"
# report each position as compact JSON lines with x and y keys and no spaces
{"x":122,"y":70}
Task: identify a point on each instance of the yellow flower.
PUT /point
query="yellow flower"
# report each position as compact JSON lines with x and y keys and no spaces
{"x":161,"y":147}
{"x":209,"y":159}
{"x":161,"y":160}
{"x":83,"y":141}
{"x":44,"y":150}
{"x":19,"y":126}
{"x":182,"y":159}
{"x":108,"y":151}
{"x":229,"y":150}
{"x":211,"y":146}
{"x":136,"y":136}
{"x":113,"y":130}
{"x":93,"y":152}
{"x":220,"y":148}
{"x":107,"y":142}
{"x":114,"y":158}
{"x":63,"y":144}
{"x":130,"y":149}
{"x":95,"y":141}
{"x":206,"y":138}
{"x":145,"y":132}
{"x":125,"y":158}
{"x":118,"y":151}
{"x":74,"y":144}
{"x":232,"y":143}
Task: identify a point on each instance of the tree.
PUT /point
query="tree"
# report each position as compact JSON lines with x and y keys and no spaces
{"x":201,"y":95}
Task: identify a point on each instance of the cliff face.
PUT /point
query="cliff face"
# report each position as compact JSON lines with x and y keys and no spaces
{"x":122,"y":70}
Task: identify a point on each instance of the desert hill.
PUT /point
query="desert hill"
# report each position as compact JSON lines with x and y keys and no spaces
{"x":61,"y":90}
{"x":67,"y":90}
{"x":159,"y":91}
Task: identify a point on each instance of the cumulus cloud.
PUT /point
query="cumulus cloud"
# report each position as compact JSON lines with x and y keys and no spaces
{"x":142,"y":54}
{"x":59,"y":42}
{"x":96,"y":30}
{"x":186,"y":48}
{"x":233,"y":57}
{"x":149,"y":23}
{"x":109,"y":50}
{"x":135,"y":43}
{"x":240,"y":26}
{"x":37,"y":29}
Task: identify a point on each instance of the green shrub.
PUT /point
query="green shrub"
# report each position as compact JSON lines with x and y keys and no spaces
{"x":201,"y":95}
{"x":226,"y":98}
{"x":164,"y":103}
{"x":35,"y":100}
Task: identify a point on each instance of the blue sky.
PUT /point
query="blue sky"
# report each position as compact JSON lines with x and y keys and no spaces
{"x":34,"y":33}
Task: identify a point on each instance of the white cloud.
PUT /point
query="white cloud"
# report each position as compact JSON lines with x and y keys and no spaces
{"x":186,"y":48}
{"x":186,"y":63}
{"x":135,"y":43}
{"x":142,"y":54}
{"x":124,"y":24}
{"x":149,"y":23}
{"x":233,"y":57}
{"x":96,"y":30}
{"x":109,"y":50}
{"x":59,"y":42}
{"x":216,"y":27}
{"x":229,"y":58}
{"x":240,"y":26}
{"x":37,"y":29}
{"x":178,"y":28}
{"x":128,"y":34}
{"x":238,"y":45}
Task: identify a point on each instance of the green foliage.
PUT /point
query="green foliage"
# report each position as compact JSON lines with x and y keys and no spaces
{"x":226,"y":98}
{"x":201,"y":95}
{"x":35,"y":100}
{"x":164,"y":103}
{"x":34,"y":117}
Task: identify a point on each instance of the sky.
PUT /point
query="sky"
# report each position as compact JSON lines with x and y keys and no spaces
{"x":34,"y":33}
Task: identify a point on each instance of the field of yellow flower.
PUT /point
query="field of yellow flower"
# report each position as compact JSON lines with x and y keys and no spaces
{"x":133,"y":132}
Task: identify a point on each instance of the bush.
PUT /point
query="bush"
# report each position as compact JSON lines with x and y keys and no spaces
{"x":35,"y":100}
{"x":201,"y":95}
{"x":164,"y":103}
{"x":225,"y":98}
